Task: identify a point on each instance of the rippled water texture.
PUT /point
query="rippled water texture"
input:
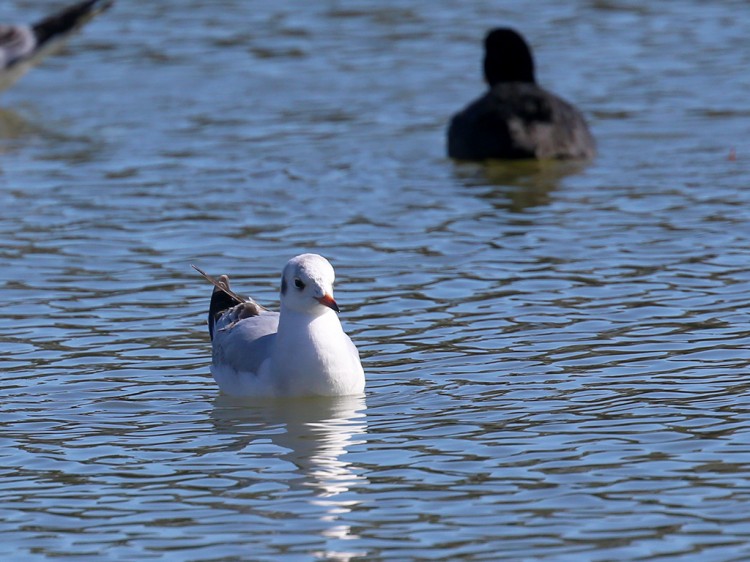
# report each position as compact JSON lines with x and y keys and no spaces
{"x":557,"y":355}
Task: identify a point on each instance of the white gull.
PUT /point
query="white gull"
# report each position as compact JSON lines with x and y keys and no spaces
{"x":22,"y":46}
{"x":300,"y":351}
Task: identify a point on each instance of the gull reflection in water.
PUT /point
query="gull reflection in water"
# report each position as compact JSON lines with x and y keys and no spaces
{"x":317,"y":433}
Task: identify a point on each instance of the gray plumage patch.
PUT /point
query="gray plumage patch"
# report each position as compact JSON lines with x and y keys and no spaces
{"x":283,"y":285}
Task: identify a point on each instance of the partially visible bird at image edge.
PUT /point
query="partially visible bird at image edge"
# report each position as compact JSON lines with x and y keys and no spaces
{"x":22,"y":46}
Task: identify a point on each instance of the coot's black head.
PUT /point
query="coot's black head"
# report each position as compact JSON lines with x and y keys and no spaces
{"x":507,"y":57}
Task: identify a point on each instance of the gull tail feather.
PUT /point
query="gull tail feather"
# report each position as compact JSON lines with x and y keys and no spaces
{"x":223,"y":298}
{"x":222,"y":284}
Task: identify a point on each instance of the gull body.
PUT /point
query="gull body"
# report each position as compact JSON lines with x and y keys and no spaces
{"x":300,"y":351}
{"x":516,"y":118}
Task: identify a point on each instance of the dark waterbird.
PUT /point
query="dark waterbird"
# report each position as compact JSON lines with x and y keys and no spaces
{"x":516,"y":118}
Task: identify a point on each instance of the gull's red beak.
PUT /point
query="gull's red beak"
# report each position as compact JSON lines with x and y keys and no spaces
{"x":327,"y":300}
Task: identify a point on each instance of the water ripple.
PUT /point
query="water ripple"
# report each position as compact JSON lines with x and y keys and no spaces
{"x":555,"y":353}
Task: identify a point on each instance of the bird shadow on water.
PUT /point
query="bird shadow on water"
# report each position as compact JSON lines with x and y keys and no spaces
{"x":516,"y":185}
{"x":17,"y":128}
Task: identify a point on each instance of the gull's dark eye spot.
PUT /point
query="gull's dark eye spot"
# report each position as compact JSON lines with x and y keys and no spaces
{"x":298,"y":283}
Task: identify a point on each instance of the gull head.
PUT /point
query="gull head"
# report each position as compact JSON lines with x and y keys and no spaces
{"x":307,"y":285}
